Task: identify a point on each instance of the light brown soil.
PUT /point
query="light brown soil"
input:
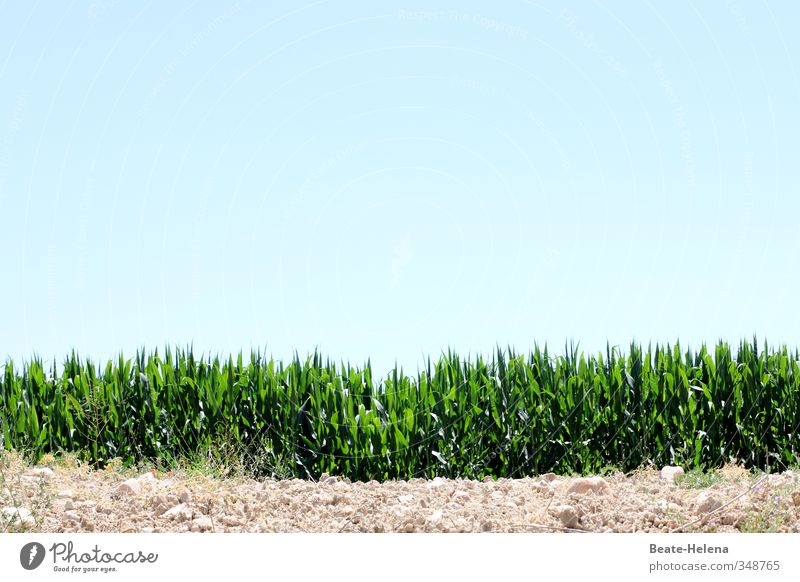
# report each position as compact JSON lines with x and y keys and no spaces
{"x":73,"y":499}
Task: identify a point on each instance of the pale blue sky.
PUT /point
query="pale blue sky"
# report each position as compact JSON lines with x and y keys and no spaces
{"x":390,"y":179}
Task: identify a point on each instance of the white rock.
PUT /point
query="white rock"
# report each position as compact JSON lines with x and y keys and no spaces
{"x":230,"y":520}
{"x":405,"y":498}
{"x":44,"y":472}
{"x":65,"y":494}
{"x":707,"y":502}
{"x":17,"y":516}
{"x":147,"y":530}
{"x":347,"y":511}
{"x":662,"y":505}
{"x":436,"y":483}
{"x":567,"y":515}
{"x":775,"y":479}
{"x":461,"y":496}
{"x":72,"y":516}
{"x":129,"y":487}
{"x":436,"y":517}
{"x":202,"y":524}
{"x":398,"y":510}
{"x":583,"y":485}
{"x":179,"y":513}
{"x":147,"y":479}
{"x":160,"y":505}
{"x":669,"y":473}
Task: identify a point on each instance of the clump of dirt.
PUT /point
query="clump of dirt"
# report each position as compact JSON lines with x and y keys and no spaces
{"x":59,"y":498}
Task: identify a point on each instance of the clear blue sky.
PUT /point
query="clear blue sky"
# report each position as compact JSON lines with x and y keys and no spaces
{"x":388,"y":180}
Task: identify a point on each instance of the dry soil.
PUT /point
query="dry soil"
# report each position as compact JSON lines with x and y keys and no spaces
{"x":64,"y":498}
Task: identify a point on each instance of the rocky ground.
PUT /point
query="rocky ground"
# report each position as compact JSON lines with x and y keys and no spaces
{"x":59,"y":497}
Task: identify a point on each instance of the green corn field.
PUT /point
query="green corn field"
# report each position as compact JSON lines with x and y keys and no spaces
{"x":510,"y":416}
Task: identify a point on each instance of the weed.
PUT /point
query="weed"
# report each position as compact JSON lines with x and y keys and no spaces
{"x":698,"y":479}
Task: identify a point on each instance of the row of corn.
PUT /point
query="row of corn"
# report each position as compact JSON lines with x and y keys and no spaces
{"x":511,"y":415}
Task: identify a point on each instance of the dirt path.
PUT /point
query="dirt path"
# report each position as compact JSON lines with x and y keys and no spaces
{"x":60,"y":498}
